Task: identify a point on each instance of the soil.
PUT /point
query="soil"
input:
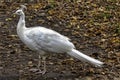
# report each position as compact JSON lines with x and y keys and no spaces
{"x":93,"y":26}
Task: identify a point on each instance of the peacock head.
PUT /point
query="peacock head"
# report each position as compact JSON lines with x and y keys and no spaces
{"x":20,"y":11}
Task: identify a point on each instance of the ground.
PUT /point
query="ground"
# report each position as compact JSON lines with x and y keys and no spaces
{"x":93,"y":26}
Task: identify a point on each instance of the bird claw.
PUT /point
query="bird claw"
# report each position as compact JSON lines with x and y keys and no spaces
{"x":38,"y":71}
{"x":41,"y":72}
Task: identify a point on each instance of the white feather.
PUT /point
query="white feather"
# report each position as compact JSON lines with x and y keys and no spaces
{"x":83,"y":57}
{"x":48,"y":40}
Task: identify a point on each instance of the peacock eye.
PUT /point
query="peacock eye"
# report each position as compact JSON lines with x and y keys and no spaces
{"x":18,"y":12}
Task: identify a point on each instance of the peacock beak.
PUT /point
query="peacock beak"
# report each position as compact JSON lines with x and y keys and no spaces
{"x":14,"y":13}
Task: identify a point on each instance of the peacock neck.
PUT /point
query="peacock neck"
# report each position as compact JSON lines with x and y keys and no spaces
{"x":21,"y":26}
